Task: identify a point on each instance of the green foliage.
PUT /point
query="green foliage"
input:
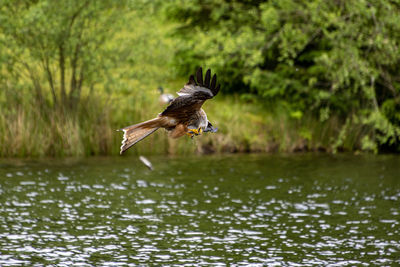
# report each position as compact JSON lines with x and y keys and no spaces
{"x":60,"y":47}
{"x":326,"y":58}
{"x":56,"y":59}
{"x":295,"y":75}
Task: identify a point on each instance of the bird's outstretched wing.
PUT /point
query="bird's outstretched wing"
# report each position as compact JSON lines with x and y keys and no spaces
{"x":204,"y":89}
{"x":193,"y":94}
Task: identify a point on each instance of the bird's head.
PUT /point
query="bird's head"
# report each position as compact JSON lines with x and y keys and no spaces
{"x":210,"y":128}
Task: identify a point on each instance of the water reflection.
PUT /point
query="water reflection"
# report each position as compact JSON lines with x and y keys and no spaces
{"x":260,"y":210}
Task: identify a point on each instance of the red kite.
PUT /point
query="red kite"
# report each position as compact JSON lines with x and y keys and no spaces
{"x":183,"y":116}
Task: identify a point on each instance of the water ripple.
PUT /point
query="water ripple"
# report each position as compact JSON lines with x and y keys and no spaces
{"x":112,"y":215}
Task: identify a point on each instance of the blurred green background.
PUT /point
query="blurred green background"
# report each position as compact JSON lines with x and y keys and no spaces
{"x":296,"y":75}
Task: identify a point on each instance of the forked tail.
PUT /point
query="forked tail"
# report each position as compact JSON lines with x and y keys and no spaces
{"x":137,"y":132}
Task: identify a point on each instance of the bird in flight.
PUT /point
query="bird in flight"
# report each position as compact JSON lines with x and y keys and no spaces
{"x":183,"y":116}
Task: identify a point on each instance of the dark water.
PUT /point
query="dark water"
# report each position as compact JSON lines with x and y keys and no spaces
{"x":258,"y":210}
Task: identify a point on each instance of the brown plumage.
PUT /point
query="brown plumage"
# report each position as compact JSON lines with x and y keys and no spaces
{"x":183,"y":116}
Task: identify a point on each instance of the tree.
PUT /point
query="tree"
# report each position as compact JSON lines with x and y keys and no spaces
{"x":326,"y":58}
{"x":59,"y":46}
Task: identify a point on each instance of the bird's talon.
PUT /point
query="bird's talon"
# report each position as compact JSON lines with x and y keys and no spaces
{"x":194,"y":131}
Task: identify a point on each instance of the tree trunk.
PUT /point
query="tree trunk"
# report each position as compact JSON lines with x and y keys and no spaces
{"x":62,"y":74}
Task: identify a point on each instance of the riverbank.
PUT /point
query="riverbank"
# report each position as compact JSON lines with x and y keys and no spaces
{"x":242,"y":127}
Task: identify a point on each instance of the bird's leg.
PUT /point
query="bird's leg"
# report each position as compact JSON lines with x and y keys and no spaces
{"x":193,"y":132}
{"x":189,"y":133}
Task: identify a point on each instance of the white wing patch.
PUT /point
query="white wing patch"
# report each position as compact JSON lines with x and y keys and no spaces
{"x":182,"y":94}
{"x":190,"y":89}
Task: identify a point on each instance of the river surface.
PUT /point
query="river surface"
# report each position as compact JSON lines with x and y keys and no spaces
{"x":236,"y":210}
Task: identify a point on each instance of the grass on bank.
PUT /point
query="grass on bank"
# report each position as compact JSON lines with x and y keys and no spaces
{"x":243,"y":127}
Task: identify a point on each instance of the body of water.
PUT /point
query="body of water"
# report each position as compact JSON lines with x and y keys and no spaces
{"x":259,"y":210}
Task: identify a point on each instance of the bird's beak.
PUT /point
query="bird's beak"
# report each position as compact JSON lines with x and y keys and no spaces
{"x":210,"y":128}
